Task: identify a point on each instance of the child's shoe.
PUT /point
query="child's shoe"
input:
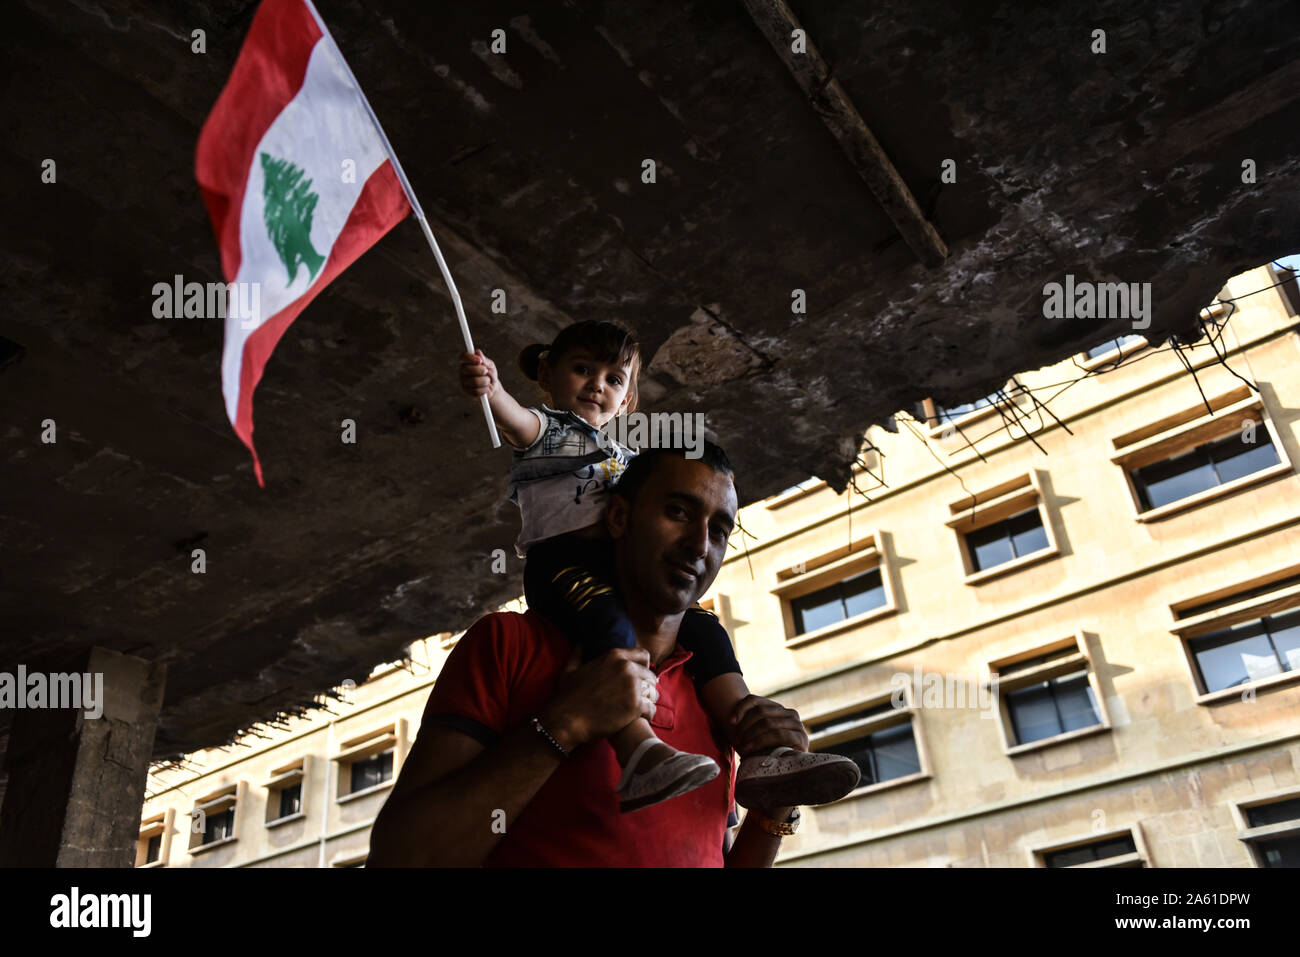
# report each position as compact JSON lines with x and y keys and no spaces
{"x":674,"y":775}
{"x":789,"y":778}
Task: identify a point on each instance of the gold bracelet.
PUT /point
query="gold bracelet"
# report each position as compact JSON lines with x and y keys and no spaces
{"x":779,"y":828}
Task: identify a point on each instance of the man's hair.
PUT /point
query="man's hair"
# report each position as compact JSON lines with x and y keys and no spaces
{"x":644,"y":465}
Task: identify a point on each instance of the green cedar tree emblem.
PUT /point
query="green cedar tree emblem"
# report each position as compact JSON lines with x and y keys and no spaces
{"x":288,"y":207}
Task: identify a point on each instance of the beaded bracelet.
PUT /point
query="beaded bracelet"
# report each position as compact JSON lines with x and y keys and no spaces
{"x":547,"y":735}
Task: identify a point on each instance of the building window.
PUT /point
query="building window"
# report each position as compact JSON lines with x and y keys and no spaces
{"x":1052,"y":707}
{"x":219,"y":825}
{"x":1105,"y":850}
{"x":1202,"y":468}
{"x":1287,"y":289}
{"x":1247,"y":635}
{"x":878,"y":737}
{"x":213,"y":818}
{"x":1002,"y":529}
{"x":943,"y":419}
{"x":1272,"y":830}
{"x":788,"y":495}
{"x":845,"y":599}
{"x":154,"y":841}
{"x":290,"y":800}
{"x":945,"y":415}
{"x":370,"y":761}
{"x":1195,"y":456}
{"x":882,"y":756}
{"x":833,"y":592}
{"x":1247,"y":651}
{"x":1006,"y":540}
{"x":371,"y":772}
{"x":1047,"y":693}
{"x":284,"y":792}
{"x":1114,"y":345}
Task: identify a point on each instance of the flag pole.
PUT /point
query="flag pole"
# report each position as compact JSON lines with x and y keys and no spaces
{"x":415,"y":208}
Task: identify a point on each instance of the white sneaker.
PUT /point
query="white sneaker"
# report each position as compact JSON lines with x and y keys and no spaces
{"x":674,"y":775}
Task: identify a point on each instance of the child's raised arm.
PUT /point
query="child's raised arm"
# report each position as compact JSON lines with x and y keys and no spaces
{"x":478,"y":376}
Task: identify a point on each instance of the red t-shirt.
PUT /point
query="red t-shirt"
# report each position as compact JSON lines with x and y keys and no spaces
{"x":502,"y":672}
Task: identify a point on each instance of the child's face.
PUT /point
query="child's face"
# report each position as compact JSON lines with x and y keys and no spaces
{"x":595,"y":390}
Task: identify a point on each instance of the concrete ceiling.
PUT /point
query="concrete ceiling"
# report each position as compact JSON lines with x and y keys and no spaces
{"x":1124,"y":166}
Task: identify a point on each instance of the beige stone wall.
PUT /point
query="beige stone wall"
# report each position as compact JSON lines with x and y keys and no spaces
{"x":329,"y":832}
{"x":1165,"y":762}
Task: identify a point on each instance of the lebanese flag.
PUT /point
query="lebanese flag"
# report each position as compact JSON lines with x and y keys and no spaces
{"x":298,"y":182}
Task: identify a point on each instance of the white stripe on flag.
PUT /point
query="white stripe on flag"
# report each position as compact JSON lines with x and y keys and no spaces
{"x":325,"y":124}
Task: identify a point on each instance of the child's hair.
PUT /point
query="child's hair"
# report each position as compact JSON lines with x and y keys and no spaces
{"x":606,"y":341}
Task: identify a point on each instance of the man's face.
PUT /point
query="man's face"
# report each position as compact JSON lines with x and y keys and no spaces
{"x":673,"y":538}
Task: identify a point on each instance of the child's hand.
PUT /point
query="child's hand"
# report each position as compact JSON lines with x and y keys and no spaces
{"x":478,"y":374}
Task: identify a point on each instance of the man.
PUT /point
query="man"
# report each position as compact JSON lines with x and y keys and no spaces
{"x":509,"y":767}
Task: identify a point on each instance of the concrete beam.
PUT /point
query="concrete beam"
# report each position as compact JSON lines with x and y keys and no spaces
{"x":76,"y":783}
{"x":841,"y":117}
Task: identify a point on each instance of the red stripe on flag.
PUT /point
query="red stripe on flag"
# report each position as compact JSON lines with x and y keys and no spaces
{"x":381,"y":206}
{"x":267,"y":76}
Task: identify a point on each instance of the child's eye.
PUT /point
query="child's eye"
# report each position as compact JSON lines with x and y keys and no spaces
{"x":615,"y":380}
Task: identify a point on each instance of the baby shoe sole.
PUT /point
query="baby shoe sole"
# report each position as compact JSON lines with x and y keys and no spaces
{"x":820,"y":784}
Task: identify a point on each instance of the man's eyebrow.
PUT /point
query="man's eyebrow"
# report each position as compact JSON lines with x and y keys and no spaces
{"x":698,"y":503}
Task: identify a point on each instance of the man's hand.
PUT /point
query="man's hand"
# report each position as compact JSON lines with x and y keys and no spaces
{"x":759,"y":724}
{"x":478,"y":375}
{"x":601,"y":697}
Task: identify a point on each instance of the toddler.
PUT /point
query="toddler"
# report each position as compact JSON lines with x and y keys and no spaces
{"x":562,"y":471}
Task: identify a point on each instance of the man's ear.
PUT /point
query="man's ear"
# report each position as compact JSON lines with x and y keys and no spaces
{"x":617,"y":511}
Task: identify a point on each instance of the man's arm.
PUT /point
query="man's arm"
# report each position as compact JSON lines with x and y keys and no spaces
{"x":444,"y":803}
{"x":761,"y":725}
{"x":442,"y":808}
{"x":753,"y":846}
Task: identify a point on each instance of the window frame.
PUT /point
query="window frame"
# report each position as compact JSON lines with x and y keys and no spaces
{"x":227,"y":797}
{"x":1270,"y":603}
{"x":156,"y":825}
{"x":971,"y":513}
{"x":1001,"y":683}
{"x":295,"y":772}
{"x":936,"y":427}
{"x":389,"y":737}
{"x":1113,"y":355}
{"x":1285,"y":284}
{"x":822,"y":571}
{"x":908,"y":714}
{"x":1139,"y":858}
{"x":1249,"y":835}
{"x":1182,"y":432}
